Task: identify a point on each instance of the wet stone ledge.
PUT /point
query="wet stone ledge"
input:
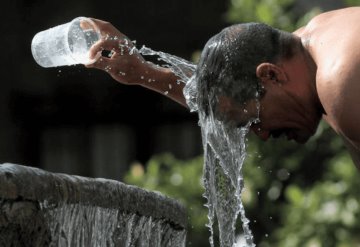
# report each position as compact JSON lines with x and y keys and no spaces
{"x":39,"y":208}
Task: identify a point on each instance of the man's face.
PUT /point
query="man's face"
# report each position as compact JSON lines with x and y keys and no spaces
{"x":276,"y":116}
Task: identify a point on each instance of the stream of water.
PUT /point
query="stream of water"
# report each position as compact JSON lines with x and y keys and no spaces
{"x":225,"y":152}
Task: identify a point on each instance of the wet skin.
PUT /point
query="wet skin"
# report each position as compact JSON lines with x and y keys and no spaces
{"x":269,"y":120}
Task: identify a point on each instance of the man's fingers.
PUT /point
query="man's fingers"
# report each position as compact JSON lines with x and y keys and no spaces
{"x":102,"y":63}
{"x":111,"y":45}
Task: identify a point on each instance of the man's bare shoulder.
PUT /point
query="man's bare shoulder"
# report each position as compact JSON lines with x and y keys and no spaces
{"x":331,"y":26}
{"x":332,"y":40}
{"x":338,"y":91}
{"x":341,"y":14}
{"x":336,"y":50}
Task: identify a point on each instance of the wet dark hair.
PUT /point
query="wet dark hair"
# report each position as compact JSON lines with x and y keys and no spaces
{"x":229,"y":60}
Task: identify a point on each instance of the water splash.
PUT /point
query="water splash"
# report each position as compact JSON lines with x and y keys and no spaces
{"x":225,"y":152}
{"x":182,"y":68}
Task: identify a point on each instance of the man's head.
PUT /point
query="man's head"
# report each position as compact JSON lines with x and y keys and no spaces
{"x":248,"y":63}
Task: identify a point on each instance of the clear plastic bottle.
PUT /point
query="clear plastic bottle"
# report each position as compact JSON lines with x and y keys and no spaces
{"x":66,"y":44}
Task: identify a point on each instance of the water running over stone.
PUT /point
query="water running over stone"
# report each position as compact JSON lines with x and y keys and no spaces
{"x":39,"y":208}
{"x":225,"y":152}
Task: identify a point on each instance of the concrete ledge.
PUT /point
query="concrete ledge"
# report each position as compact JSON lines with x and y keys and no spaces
{"x":31,"y":198}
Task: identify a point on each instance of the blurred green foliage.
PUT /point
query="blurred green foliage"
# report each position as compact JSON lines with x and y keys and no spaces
{"x":303,"y":195}
{"x":276,"y":13}
{"x":180,"y":180}
{"x":295,"y":195}
{"x":271,"y":12}
{"x":352,"y":2}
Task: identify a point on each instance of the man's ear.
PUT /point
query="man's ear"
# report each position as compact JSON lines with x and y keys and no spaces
{"x":268,"y":72}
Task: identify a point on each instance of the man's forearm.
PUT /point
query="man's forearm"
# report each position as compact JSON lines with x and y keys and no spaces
{"x":127,"y":66}
{"x":164,"y":81}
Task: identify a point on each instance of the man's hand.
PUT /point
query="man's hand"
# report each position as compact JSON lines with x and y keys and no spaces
{"x":122,"y":61}
{"x":125,"y":64}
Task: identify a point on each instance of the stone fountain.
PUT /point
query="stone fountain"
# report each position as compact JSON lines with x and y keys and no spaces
{"x":39,"y":208}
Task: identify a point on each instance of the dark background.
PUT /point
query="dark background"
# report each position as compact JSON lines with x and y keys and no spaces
{"x":81,"y":121}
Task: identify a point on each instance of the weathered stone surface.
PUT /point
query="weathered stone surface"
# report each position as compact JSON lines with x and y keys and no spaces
{"x":39,"y":208}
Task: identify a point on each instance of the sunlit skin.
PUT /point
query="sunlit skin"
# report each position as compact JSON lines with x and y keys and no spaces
{"x":320,"y":81}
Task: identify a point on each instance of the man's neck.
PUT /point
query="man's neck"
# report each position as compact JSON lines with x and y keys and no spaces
{"x":311,"y":70}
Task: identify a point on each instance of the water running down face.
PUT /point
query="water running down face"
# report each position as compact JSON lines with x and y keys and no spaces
{"x":268,"y":120}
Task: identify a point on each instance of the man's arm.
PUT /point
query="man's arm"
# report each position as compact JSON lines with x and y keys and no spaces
{"x":127,"y":66}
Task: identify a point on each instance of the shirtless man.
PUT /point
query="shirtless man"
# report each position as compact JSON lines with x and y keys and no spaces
{"x":298,"y":78}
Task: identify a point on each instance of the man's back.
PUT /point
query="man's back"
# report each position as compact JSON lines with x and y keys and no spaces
{"x":333,"y":41}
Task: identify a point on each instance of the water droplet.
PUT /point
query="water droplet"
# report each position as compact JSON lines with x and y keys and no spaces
{"x":170,"y":86}
{"x":266,"y":235}
{"x":142,"y":77}
{"x":274,"y":192}
{"x":176,"y":179}
{"x":166,"y":92}
{"x":132,"y":50}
